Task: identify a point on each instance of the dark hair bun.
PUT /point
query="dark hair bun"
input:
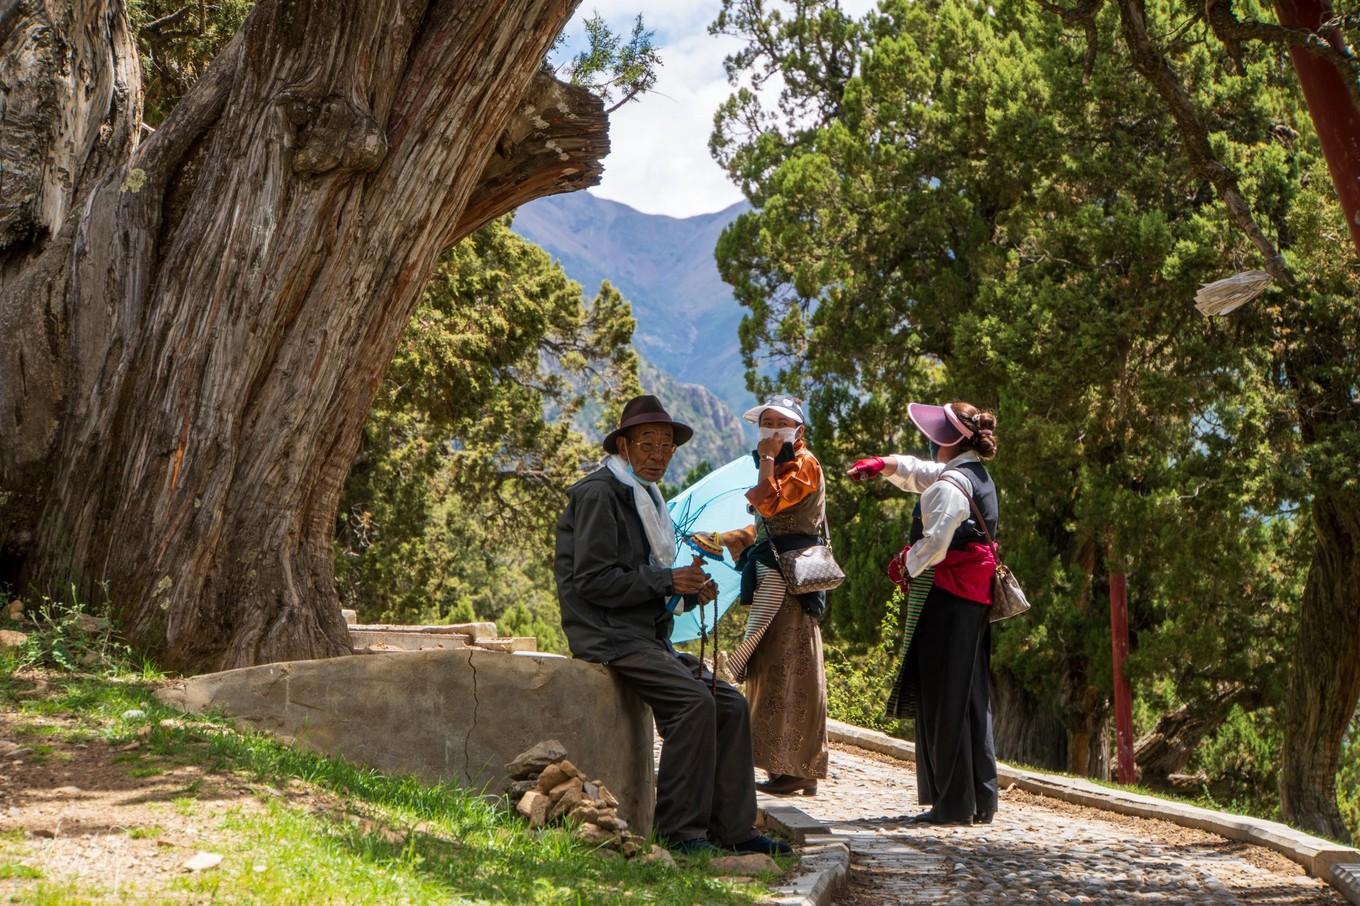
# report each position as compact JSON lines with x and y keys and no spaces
{"x":983,"y":424}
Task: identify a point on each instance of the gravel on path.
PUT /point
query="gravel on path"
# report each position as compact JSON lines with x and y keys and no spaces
{"x":1037,"y":850}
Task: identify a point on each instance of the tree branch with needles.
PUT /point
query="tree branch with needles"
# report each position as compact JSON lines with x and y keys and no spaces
{"x":1232,"y":31}
{"x":1152,"y":64}
{"x":1083,"y":14}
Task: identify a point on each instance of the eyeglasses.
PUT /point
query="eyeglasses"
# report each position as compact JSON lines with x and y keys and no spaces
{"x":647,"y":449}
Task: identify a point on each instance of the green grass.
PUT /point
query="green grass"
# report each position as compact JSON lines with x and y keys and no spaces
{"x":65,"y":893}
{"x":387,"y":838}
{"x":37,"y":730}
{"x":184,"y":805}
{"x":11,"y":870}
{"x":12,"y":848}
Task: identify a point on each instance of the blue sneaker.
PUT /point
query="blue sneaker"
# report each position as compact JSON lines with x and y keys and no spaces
{"x":695,"y":846}
{"x":762,"y":844}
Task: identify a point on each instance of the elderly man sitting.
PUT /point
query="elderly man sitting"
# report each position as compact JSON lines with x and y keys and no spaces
{"x":615,"y":550}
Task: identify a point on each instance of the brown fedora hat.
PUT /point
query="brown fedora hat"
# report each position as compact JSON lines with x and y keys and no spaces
{"x":646,"y":410}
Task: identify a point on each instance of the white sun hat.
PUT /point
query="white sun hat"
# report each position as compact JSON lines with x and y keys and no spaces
{"x":791,"y":406}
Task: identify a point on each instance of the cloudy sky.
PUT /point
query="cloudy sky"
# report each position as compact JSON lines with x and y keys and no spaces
{"x":660,"y":161}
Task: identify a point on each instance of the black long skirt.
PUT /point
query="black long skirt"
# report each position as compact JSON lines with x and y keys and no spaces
{"x":949,"y":664}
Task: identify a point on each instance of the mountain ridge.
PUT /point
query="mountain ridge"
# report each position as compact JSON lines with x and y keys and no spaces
{"x":686,"y":315}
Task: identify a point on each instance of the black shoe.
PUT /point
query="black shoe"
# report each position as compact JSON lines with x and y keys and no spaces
{"x":984,"y":817}
{"x":787,"y":785}
{"x":762,"y":844}
{"x":695,"y":846}
{"x":931,"y":818}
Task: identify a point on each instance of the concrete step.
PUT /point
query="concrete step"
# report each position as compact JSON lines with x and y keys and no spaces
{"x":377,"y":640}
{"x":788,"y":821}
{"x":469,"y":630}
{"x":461,"y":715}
{"x":512,"y":645}
{"x":484,"y":630}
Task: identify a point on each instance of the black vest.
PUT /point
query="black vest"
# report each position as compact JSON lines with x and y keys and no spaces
{"x":968,"y":532}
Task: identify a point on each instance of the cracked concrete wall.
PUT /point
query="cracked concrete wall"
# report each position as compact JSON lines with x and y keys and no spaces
{"x":444,"y":715}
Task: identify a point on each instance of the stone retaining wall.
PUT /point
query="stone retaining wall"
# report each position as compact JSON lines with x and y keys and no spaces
{"x":452,"y":715}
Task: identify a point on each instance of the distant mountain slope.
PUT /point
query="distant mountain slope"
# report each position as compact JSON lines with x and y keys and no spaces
{"x":718,"y":436}
{"x":687,"y":318}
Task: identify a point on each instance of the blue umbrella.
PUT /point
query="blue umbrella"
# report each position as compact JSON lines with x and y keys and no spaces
{"x":714,"y":503}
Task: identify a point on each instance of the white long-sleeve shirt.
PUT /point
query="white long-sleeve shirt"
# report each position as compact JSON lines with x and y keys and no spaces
{"x":943,"y":506}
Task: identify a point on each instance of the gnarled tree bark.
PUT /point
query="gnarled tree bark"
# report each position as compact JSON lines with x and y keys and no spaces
{"x":193,"y":326}
{"x":1167,"y":748}
{"x":1028,"y":729}
{"x":1324,"y":684}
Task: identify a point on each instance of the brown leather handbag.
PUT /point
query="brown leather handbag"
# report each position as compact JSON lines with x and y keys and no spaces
{"x":1008,"y":598}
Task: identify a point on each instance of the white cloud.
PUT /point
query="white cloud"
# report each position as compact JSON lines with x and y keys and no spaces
{"x":660,"y":161}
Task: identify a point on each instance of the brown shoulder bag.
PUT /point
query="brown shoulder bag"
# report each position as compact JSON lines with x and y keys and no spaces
{"x":1008,"y":599}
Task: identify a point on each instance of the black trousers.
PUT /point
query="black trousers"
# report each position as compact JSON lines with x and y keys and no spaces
{"x":950,"y":658}
{"x":705,"y":785}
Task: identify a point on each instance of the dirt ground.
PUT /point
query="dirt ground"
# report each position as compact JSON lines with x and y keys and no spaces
{"x":84,"y":809}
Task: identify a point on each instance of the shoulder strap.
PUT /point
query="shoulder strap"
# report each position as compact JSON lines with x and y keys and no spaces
{"x":822,"y":528}
{"x":977,"y":511}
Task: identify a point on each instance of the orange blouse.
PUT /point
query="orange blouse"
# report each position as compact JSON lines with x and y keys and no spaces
{"x":791,"y":484}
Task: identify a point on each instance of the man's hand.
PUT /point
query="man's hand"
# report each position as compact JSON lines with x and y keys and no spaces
{"x":865,"y":469}
{"x":708,"y":592}
{"x":690,"y":580}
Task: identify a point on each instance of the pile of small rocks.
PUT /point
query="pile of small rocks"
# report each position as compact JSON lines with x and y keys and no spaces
{"x":10,"y":638}
{"x":549,"y":789}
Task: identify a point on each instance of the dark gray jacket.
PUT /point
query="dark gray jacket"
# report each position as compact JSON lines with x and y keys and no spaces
{"x":613,"y":600}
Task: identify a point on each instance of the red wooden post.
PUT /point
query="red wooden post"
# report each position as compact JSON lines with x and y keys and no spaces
{"x":1334,"y":112}
{"x":1123,"y":699}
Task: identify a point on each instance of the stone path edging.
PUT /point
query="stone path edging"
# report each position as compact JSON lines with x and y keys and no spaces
{"x":1332,"y":862}
{"x":824,"y":860}
{"x":1346,"y":878}
{"x":823,"y":873}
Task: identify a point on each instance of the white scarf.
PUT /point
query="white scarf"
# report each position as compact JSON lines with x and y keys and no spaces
{"x":651,"y":509}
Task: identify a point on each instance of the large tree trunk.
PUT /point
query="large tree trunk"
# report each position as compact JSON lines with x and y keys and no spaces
{"x":1325,"y":682}
{"x":194,"y":338}
{"x":1324,"y":679}
{"x":1089,"y":733}
{"x":1028,"y":729}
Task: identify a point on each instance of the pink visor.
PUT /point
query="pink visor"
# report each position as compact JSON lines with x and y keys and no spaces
{"x":938,"y":423}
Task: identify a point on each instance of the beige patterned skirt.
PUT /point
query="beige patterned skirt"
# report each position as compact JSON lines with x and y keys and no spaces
{"x":786,"y":686}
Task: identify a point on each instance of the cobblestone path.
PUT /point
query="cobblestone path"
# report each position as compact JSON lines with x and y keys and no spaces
{"x":1036,"y":851}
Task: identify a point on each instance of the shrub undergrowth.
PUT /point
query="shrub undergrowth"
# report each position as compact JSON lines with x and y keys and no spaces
{"x":858,"y":681}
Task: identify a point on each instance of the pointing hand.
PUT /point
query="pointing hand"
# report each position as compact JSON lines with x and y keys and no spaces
{"x":865,"y":469}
